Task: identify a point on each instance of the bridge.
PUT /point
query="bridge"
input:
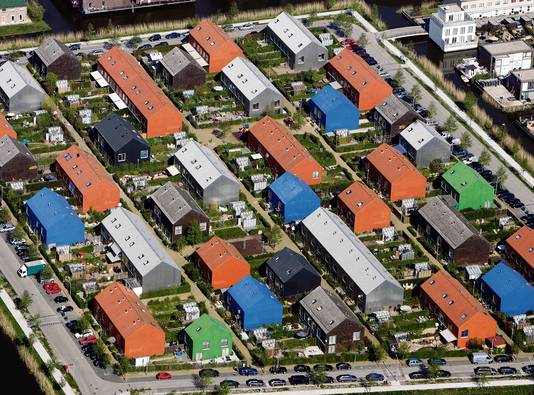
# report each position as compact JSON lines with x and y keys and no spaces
{"x":401,"y":32}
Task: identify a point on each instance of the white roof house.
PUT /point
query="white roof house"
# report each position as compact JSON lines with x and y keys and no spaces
{"x":376,"y":287}
{"x":146,"y":258}
{"x":206,"y":174}
{"x":20,"y":92}
{"x":424,"y":144}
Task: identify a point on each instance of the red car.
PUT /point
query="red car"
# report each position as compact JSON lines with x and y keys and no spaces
{"x":49,"y":284}
{"x":347,"y":41}
{"x":53,"y":290}
{"x":88,"y":340}
{"x":163,"y":376}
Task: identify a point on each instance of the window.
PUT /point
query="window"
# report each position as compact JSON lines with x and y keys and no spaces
{"x":320,"y":57}
{"x":465,"y":333}
{"x":121,"y":157}
{"x":224,"y":343}
{"x":143,"y":154}
{"x":256,"y":106}
{"x":203,"y":226}
{"x":277,"y":103}
{"x":178,"y":230}
{"x":301,"y":60}
{"x":356,"y":336}
{"x":332,"y":339}
{"x":206,"y":345}
{"x":315,"y":175}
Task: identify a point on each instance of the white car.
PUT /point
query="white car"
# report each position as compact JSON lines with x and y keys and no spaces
{"x":6,"y":227}
{"x":246,"y":26}
{"x":84,"y":334}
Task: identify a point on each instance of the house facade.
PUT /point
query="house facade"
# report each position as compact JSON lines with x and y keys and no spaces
{"x":423,"y":144}
{"x":207,"y":338}
{"x":478,"y":9}
{"x":520,"y":251}
{"x":502,"y":58}
{"x":53,"y":56}
{"x":521,"y":84}
{"x":19,"y":91}
{"x":179,"y":71}
{"x":16,"y":161}
{"x":14,"y":12}
{"x":452,"y":29}
{"x":467,"y":187}
{"x":392,"y":116}
{"x":332,"y":111}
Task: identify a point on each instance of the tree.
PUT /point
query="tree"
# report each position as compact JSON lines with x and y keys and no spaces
{"x":403,"y":349}
{"x":24,"y":302}
{"x":90,"y":31}
{"x":46,"y":273}
{"x":436,"y":166}
{"x":376,"y":353}
{"x":201,"y":382}
{"x":318,"y":377}
{"x":451,"y":125}
{"x":415,"y":93}
{"x":328,"y":4}
{"x":123,"y":366}
{"x":362,"y":40}
{"x":194,"y":234}
{"x":501,"y":175}
{"x":345,"y":23}
{"x":4,"y":214}
{"x":470,"y":101}
{"x":101,"y":352}
{"x":275,"y":236}
{"x":233,"y":10}
{"x":222,"y":390}
{"x":18,"y":232}
{"x":180,"y":244}
{"x":433,"y":371}
{"x":35,"y":11}
{"x":298,"y":119}
{"x":51,"y":79}
{"x":83,"y":323}
{"x":465,"y":140}
{"x":432,"y":110}
{"x":134,"y":41}
{"x":484,"y":158}
{"x":399,"y":77}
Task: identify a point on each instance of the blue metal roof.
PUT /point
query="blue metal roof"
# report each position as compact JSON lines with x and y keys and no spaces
{"x":329,"y":99}
{"x":288,"y":187}
{"x":252,"y":295}
{"x":50,"y":208}
{"x":515,"y":292}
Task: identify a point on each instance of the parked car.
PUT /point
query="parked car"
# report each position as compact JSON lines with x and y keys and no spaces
{"x":229,"y":384}
{"x":480,"y":357}
{"x":64,"y":309}
{"x":53,"y":290}
{"x":343,"y":366}
{"x":162,"y":44}
{"x":145,"y":46}
{"x":228,"y":28}
{"x":277,"y":382}
{"x":375,"y":377}
{"x":299,"y":379}
{"x":247,"y":371}
{"x":346,"y":378}
{"x":442,"y":373}
{"x":528,"y":369}
{"x":172,"y":35}
{"x":278,"y":369}
{"x":97,"y":52}
{"x":163,"y":376}
{"x":75,"y":47}
{"x":417,"y":375}
{"x":208,"y":373}
{"x":61,"y":299}
{"x":255,"y":383}
{"x":485,"y":371}
{"x":155,"y":37}
{"x":85,"y":333}
{"x":503,"y":358}
{"x":412,"y":361}
{"x":87,"y":340}
{"x":323,"y":367}
{"x":246,"y":26}
{"x":507,"y":370}
{"x":6,"y":227}
{"x":437,"y":361}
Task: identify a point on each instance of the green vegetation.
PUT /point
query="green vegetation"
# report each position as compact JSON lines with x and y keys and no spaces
{"x":183,"y":288}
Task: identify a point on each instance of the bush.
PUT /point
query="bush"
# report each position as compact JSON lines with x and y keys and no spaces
{"x":230,"y":233}
{"x":181,"y":289}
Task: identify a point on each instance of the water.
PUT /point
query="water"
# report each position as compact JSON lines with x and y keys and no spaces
{"x":15,"y":369}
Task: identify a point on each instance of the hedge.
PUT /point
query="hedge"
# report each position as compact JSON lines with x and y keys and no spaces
{"x":230,"y":233}
{"x":181,"y":289}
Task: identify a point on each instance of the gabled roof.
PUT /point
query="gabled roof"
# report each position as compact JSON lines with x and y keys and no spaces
{"x":287,"y":264}
{"x":124,"y":309}
{"x":9,"y":148}
{"x":327,"y":309}
{"x":51,"y":50}
{"x":522,"y":242}
{"x":288,"y":187}
{"x":51,"y":208}
{"x":217,"y":251}
{"x":14,"y":78}
{"x":449,"y":223}
{"x":212,"y":38}
{"x":136,"y":241}
{"x":391,"y":164}
{"x":175,"y":202}
{"x":358,"y":196}
{"x":328,"y":99}
{"x":509,"y":285}
{"x":176,"y":60}
{"x":393,"y":108}
{"x":417,"y":135}
{"x":347,"y":250}
{"x":117,"y":131}
{"x":204,"y":325}
{"x":278,"y":141}
{"x":83,"y":170}
{"x":453,"y":300}
{"x":248,"y":78}
{"x":461,"y":177}
{"x":13,"y":3}
{"x":252,"y":295}
{"x":6,"y":128}
{"x":203,"y":164}
{"x":292,"y":32}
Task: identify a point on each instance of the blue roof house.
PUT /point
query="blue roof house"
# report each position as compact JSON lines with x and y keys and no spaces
{"x":52,"y":218}
{"x":507,"y":291}
{"x":332,"y":111}
{"x":253,"y":304}
{"x":292,"y":198}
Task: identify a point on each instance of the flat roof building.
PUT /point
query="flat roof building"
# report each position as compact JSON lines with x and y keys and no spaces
{"x":504,"y":57}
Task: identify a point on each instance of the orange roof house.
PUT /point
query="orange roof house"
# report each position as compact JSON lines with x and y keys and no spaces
{"x":520,"y":251}
{"x":146,"y":101}
{"x":283,"y":151}
{"x":87,"y":180}
{"x":122,"y":315}
{"x":363,"y":209}
{"x":360,"y":82}
{"x":457,"y":310}
{"x":220,"y":263}
{"x":214,"y":45}
{"x":6,"y":128}
{"x":394,"y":175}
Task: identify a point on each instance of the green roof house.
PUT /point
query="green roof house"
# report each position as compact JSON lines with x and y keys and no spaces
{"x":207,"y":338}
{"x":467,"y":187}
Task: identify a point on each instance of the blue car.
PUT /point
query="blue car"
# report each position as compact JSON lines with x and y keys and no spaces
{"x":375,"y":377}
{"x":145,"y":46}
{"x":161,"y":44}
{"x":247,"y":371}
{"x":172,"y":35}
{"x":155,"y":37}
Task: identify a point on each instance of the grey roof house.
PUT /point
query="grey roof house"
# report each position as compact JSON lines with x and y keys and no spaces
{"x":53,"y":56}
{"x":174,"y":211}
{"x":361,"y":275}
{"x":456,"y":240}
{"x":19,"y":91}
{"x":16,"y":161}
{"x":330,"y":321}
{"x":290,"y":275}
{"x":303,"y":50}
{"x":180,"y":71}
{"x":251,"y":88}
{"x":119,"y":142}
{"x":144,"y":257}
{"x":392,"y":116}
{"x":206,"y":174}
{"x":423,"y":144}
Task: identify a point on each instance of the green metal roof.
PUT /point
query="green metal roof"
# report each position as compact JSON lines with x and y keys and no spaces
{"x":204,"y":324}
{"x":460,"y":177}
{"x":12,"y":3}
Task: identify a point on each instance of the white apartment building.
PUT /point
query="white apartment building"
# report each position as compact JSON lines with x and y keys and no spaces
{"x":452,"y":29}
{"x":504,"y":57}
{"x":478,"y":9}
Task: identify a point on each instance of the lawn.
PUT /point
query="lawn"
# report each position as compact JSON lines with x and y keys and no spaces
{"x":27,"y":28}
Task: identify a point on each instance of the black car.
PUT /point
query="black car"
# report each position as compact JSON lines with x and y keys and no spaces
{"x":437,"y":361}
{"x":161,"y":44}
{"x":346,"y":378}
{"x":145,"y":46}
{"x":323,"y":368}
{"x":301,"y":368}
{"x":255,"y":383}
{"x":74,"y":47}
{"x":155,"y":37}
{"x":299,"y":379}
{"x":485,"y":371}
{"x":343,"y":366}
{"x":172,"y":35}
{"x":507,"y":370}
{"x":229,"y":384}
{"x":277,"y":382}
{"x":528,"y":369}
{"x":503,"y":358}
{"x":61,"y":299}
{"x":208,"y":373}
{"x":417,"y":375}
{"x":278,"y":370}
{"x":443,"y":373}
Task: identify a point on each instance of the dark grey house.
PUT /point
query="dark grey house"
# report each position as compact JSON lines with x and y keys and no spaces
{"x":423,"y":144}
{"x":16,"y":161}
{"x":303,"y":50}
{"x":392,"y":116}
{"x":180,"y":71}
{"x":119,"y":142}
{"x":290,"y":275}
{"x":55,"y":57}
{"x":455,"y":239}
{"x":174,"y":210}
{"x":330,"y":321}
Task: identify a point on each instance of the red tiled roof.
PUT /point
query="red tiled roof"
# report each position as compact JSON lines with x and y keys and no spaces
{"x":357,"y":196}
{"x":212,"y":38}
{"x":217,"y":251}
{"x":522,"y":242}
{"x":391,"y":163}
{"x":6,"y":128}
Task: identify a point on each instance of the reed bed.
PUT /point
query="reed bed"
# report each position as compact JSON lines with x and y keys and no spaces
{"x":35,"y":369}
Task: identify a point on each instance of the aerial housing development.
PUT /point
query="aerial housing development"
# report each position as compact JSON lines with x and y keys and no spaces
{"x":315,"y":197}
